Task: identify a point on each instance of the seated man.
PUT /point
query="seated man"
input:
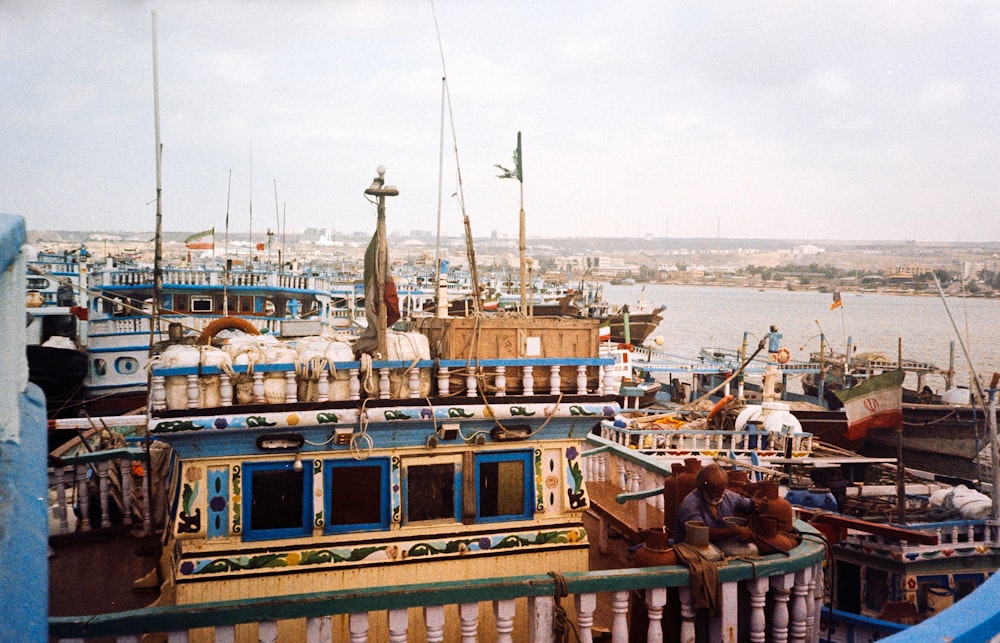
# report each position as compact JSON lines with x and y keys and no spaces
{"x":710,"y":502}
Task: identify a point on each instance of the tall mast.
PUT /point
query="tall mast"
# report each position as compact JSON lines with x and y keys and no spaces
{"x":158,"y":252}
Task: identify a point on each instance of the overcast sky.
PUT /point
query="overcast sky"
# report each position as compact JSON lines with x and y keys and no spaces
{"x":786,"y":119}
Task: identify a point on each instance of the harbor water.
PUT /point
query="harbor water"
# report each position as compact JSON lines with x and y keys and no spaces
{"x":700,"y":317}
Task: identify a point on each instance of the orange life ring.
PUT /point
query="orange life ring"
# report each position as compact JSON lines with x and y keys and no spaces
{"x":226,"y":323}
{"x":721,"y":404}
{"x":782,"y":356}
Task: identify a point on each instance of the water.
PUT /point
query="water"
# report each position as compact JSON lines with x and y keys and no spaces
{"x":705,"y":316}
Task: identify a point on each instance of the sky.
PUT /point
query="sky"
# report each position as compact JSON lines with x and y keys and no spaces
{"x":775,"y":119}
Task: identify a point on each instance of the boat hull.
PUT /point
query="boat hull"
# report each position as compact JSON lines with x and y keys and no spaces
{"x":59,"y":372}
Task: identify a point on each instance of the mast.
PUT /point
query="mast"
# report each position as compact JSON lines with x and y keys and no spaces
{"x":470,"y":249}
{"x":158,"y":251}
{"x":440,"y":280}
{"x":522,"y":241}
{"x":380,"y":191}
{"x":228,"y":264}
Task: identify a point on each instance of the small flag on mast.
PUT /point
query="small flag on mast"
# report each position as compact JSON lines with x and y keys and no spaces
{"x":836,"y":300}
{"x":195,"y":241}
{"x":875,"y":403}
{"x":516,"y":173}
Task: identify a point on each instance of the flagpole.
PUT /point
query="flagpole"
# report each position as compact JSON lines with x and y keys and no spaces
{"x":900,"y":469}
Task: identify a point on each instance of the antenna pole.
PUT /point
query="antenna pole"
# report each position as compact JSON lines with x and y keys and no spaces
{"x":158,"y":251}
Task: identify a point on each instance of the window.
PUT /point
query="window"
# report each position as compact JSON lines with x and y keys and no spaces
{"x":201,"y":304}
{"x":503,"y":486}
{"x":276,"y":501}
{"x":180,"y":303}
{"x":357,"y":495}
{"x":126,"y":365}
{"x":431,"y":491}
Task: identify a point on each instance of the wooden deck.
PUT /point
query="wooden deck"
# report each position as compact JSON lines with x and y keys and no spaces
{"x":94,"y":574}
{"x":622,"y":519}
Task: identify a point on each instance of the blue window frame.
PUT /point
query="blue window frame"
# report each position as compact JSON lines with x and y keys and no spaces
{"x":356,"y":495}
{"x":277,"y":500}
{"x":504,"y":489}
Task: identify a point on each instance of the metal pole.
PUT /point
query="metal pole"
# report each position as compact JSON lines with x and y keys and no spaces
{"x":158,"y":249}
{"x":900,"y":469}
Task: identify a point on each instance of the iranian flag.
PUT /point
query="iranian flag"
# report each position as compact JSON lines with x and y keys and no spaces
{"x":200,"y":240}
{"x":875,"y":403}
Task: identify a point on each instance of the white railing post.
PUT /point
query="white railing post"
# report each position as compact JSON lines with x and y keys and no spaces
{"x":354,"y":387}
{"x":319,"y":628}
{"x":619,"y":617}
{"x":399,"y":623}
{"x":468,"y":613}
{"x":258,"y":388}
{"x":83,"y":496}
{"x":503,"y":611}
{"x":656,"y":598}
{"x":501,"y":381}
{"x":540,"y":613}
{"x":59,"y":472}
{"x":358,"y":625}
{"x":470,"y":382}
{"x":444,"y":383}
{"x":555,"y":380}
{"x":817,"y":597}
{"x":434,"y":623}
{"x":414,"y":382}
{"x":757,"y":588}
{"x":125,"y":469}
{"x":193,"y":392}
{"x":267,"y":631}
{"x":799,"y":609}
{"x":384,"y":387}
{"x":158,"y":392}
{"x":585,"y":606}
{"x":687,"y":615}
{"x":782,"y":585}
{"x":725,"y":626}
{"x":323,"y":385}
{"x":528,"y":380}
{"x":225,"y":389}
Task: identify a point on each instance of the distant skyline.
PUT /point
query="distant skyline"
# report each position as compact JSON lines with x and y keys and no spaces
{"x":823,"y":121}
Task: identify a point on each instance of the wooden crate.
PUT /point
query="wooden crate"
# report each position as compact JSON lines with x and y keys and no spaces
{"x":478,"y":338}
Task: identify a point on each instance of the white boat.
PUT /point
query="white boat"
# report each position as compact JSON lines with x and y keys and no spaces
{"x":55,"y":328}
{"x":196,"y":302}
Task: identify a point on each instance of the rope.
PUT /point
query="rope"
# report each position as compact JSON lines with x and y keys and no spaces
{"x":561,"y":624}
{"x":361,"y":443}
{"x":367,"y":376}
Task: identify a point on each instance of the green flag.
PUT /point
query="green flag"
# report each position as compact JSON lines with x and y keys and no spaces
{"x":516,"y":172}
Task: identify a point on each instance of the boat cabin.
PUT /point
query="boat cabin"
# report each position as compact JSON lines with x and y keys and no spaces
{"x":316,"y":474}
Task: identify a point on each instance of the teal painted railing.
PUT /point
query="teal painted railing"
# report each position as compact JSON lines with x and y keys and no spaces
{"x":779,"y":595}
{"x":792,"y":580}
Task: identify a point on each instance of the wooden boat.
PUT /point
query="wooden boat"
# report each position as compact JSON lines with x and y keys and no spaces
{"x":454,"y":453}
{"x":949,"y":433}
{"x":122,"y":333}
{"x":55,"y":329}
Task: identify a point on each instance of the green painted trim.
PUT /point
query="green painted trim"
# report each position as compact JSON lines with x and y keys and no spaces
{"x":622,"y":498}
{"x":128,"y":453}
{"x":649,"y":463}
